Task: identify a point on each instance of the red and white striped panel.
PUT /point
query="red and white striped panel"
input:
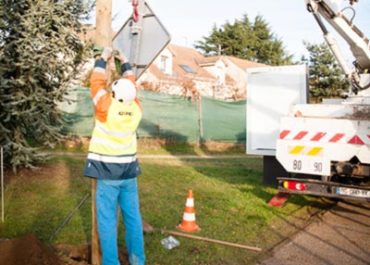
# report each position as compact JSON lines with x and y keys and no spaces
{"x":325,"y":137}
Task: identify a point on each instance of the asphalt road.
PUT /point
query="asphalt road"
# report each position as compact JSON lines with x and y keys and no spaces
{"x":340,"y":236}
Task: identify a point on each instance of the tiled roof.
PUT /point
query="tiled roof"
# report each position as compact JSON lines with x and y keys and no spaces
{"x":189,"y":63}
{"x":191,"y":58}
{"x":244,"y":64}
{"x":210,"y":60}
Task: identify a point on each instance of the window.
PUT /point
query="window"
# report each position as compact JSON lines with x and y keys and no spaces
{"x":163,"y":63}
{"x":187,"y":68}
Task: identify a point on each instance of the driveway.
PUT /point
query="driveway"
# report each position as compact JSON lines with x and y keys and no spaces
{"x":340,"y":236}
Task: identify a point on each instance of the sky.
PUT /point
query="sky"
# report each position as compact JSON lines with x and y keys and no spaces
{"x":189,"y":20}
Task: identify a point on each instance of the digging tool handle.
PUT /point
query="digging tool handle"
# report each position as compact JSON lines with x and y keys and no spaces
{"x":212,"y":240}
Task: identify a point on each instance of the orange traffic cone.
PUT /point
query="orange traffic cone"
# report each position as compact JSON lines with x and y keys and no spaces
{"x":188,"y":220}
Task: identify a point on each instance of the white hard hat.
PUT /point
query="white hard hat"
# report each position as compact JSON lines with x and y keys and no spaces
{"x":124,"y":90}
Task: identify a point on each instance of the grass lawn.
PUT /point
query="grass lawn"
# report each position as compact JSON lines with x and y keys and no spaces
{"x":230,"y":203}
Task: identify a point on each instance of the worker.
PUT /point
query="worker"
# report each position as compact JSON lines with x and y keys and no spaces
{"x":112,"y":160}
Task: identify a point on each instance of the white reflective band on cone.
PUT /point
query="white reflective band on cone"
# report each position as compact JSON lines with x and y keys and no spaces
{"x":189,"y":217}
{"x":189,"y":202}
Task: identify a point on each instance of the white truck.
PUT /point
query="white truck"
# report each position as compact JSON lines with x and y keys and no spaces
{"x":317,"y":149}
{"x":325,"y":148}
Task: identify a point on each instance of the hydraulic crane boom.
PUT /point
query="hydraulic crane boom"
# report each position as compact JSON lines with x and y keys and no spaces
{"x":358,"y":42}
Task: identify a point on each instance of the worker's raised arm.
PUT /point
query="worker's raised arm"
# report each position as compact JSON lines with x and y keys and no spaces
{"x":98,"y":79}
{"x":126,"y":67}
{"x":98,"y":85}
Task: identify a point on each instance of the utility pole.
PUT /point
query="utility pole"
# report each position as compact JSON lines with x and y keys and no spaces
{"x":103,"y":38}
{"x":103,"y":33}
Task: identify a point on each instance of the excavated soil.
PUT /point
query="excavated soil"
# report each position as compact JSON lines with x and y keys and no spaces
{"x":28,"y":250}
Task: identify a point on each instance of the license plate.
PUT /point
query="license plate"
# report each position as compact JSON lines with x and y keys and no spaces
{"x":353,"y":192}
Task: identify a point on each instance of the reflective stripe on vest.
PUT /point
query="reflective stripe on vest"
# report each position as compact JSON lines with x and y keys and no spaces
{"x":99,"y":70}
{"x":113,"y":133}
{"x":117,"y":135}
{"x":111,"y":159}
{"x":111,"y":144}
{"x":98,"y":95}
{"x":128,"y":73}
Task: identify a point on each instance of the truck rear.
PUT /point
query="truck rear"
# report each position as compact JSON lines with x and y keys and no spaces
{"x":325,"y":148}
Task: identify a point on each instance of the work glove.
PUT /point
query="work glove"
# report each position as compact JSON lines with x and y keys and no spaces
{"x":106,"y":54}
{"x":120,"y":56}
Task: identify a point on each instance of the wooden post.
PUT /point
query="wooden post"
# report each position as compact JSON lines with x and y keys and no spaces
{"x":103,"y":38}
{"x":2,"y":185}
{"x":95,"y":247}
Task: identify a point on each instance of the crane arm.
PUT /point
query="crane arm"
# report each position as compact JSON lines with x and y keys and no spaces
{"x":358,"y":42}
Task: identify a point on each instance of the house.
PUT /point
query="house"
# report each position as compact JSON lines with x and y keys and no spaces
{"x":184,"y":71}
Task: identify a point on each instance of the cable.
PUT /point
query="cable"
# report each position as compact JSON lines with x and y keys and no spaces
{"x":69,"y":217}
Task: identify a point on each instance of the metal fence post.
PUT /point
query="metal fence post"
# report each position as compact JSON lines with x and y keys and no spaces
{"x":200,"y":120}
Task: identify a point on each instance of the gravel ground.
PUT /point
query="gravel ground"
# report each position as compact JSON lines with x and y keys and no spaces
{"x":340,"y":236}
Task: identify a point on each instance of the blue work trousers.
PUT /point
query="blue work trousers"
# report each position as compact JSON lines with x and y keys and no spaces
{"x":109,"y":195}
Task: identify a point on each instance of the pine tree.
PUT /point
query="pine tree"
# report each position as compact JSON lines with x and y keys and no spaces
{"x":39,"y":54}
{"x":326,"y":78}
{"x":247,"y":40}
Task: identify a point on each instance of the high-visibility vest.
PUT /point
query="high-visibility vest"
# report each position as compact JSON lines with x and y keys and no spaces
{"x":117,"y":135}
{"x":112,"y":150}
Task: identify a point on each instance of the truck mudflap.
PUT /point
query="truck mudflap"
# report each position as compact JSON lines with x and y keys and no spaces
{"x":323,"y":188}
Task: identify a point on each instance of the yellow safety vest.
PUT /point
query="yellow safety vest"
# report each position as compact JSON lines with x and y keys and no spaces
{"x":117,"y":135}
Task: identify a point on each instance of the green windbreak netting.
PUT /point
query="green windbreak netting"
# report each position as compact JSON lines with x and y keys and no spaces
{"x":224,"y":121}
{"x":165,"y":116}
{"x":168,"y":116}
{"x":79,"y":112}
